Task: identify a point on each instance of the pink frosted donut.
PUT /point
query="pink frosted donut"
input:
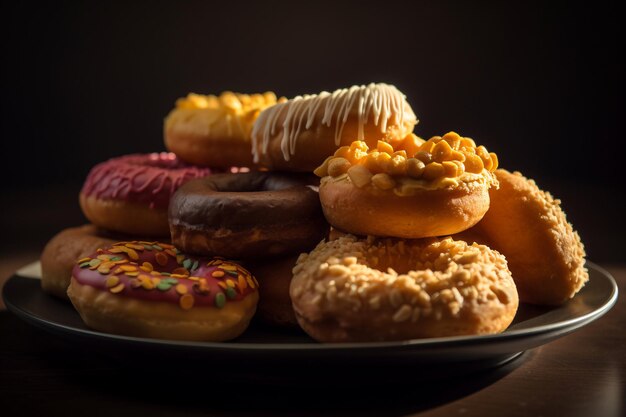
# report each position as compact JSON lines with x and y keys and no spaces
{"x":131,"y":193}
{"x":150,"y":289}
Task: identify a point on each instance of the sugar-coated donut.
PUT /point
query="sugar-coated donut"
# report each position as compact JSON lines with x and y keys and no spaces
{"x":354,"y":290}
{"x":528,"y":226}
{"x":297,"y":135}
{"x":408,"y":188}
{"x":247,"y":215}
{"x":274,"y":276}
{"x":215,"y":130}
{"x":61,"y":252}
{"x":149,"y":289}
{"x":130,"y":194}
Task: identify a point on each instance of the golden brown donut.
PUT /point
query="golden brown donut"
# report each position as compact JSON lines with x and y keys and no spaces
{"x":61,"y":252}
{"x":297,"y":135}
{"x":215,"y":130}
{"x":528,"y":226}
{"x":355,"y":290}
{"x":274,"y":276}
{"x":150,"y":289}
{"x":417,"y":189}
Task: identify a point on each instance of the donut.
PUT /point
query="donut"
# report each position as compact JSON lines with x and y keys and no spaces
{"x":274,"y":276}
{"x":150,"y":289}
{"x":528,"y":226}
{"x":368,"y":290}
{"x":247,"y":215}
{"x":130,"y":194}
{"x":60,"y":254}
{"x":408,"y":189}
{"x":299,"y":134}
{"x":215,"y":130}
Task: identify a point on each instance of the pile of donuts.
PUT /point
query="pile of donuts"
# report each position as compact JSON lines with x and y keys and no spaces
{"x":324,"y":211}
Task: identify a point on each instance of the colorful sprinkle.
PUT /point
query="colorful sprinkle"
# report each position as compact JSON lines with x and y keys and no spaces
{"x":117,"y":289}
{"x":93,"y":264}
{"x":135,"y":246}
{"x":241,"y":284}
{"x":161,"y":258}
{"x":112,"y":281}
{"x":186,"y":301}
{"x":231,"y":293}
{"x":217,"y":274}
{"x":157,"y":247}
{"x":220,"y":300}
{"x":201,"y":287}
{"x":250,"y":282}
{"x":164,"y":286}
{"x":187,"y":263}
{"x":148,"y":266}
{"x":181,"y":289}
{"x":83,"y":260}
{"x":128,"y":268}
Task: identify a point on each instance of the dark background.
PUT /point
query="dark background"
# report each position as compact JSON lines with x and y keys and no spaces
{"x":542,"y":85}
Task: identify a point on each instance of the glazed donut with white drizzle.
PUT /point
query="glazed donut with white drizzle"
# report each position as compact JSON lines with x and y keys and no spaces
{"x":299,"y":134}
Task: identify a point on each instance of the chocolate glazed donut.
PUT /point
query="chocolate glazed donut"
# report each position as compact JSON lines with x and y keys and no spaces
{"x":247,"y":215}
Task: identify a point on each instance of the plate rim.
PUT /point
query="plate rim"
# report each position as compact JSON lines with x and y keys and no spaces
{"x":565,"y":326}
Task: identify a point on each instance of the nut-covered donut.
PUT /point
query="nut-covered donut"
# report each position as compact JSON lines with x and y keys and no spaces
{"x":130,"y":194}
{"x":247,"y":215}
{"x":150,"y":289}
{"x":215,"y":130}
{"x":528,"y":226}
{"x":353,"y":290}
{"x":298,"y":134}
{"x":408,"y":188}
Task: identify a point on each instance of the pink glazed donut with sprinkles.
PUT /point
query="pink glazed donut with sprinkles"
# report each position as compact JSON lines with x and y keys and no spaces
{"x":130,"y":194}
{"x":150,"y":289}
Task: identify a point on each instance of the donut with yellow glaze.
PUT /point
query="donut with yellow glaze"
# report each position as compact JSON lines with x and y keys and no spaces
{"x":215,"y":130}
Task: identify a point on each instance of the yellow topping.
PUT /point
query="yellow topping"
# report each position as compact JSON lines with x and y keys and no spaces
{"x":234,"y":103}
{"x":441,"y":161}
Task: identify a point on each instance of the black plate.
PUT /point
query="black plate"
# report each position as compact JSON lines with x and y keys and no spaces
{"x":532,"y":327}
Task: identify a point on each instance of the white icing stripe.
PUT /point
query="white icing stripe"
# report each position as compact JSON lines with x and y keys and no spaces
{"x":382,"y":102}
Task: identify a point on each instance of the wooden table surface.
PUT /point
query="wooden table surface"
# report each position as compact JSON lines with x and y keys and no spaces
{"x":581,"y":374}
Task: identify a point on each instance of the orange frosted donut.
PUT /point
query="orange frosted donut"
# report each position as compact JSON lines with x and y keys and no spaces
{"x":215,"y":130}
{"x":150,"y":289}
{"x":528,"y":226}
{"x":353,"y":290}
{"x":408,"y":188}
{"x":298,"y":134}
{"x":130,"y":194}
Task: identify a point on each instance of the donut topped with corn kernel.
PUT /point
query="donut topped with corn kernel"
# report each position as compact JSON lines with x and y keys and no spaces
{"x":410,"y":164}
{"x":215,"y":130}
